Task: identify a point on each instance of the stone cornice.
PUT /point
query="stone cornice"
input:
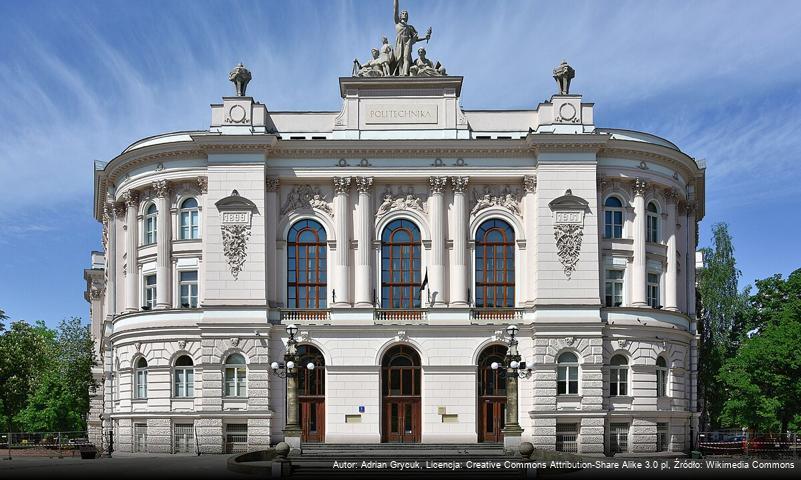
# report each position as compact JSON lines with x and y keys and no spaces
{"x":357,"y":149}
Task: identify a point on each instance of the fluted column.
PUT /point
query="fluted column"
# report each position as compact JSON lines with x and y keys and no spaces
{"x":270,"y":226}
{"x":436,"y":270}
{"x":163,"y":244}
{"x":131,"y":199}
{"x":639,"y":286}
{"x":341,"y":284}
{"x":671,"y":274}
{"x":458,"y":293}
{"x":364,"y":215}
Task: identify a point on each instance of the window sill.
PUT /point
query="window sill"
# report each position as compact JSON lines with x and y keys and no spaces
{"x":179,"y":399}
{"x":187,"y":240}
{"x":139,"y":400}
{"x":569,"y":396}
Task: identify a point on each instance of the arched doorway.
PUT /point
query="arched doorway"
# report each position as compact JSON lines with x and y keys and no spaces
{"x":400,"y":391}
{"x":311,"y":394}
{"x":491,"y":394}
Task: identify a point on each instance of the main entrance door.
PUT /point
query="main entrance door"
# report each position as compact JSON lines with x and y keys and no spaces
{"x":311,"y":394}
{"x":400,"y":389}
{"x":491,"y":394}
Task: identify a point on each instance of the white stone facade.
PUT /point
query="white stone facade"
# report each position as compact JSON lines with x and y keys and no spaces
{"x":423,"y":159}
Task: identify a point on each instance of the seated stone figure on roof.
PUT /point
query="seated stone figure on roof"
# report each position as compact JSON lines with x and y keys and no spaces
{"x":370,"y":69}
{"x":423,"y":67}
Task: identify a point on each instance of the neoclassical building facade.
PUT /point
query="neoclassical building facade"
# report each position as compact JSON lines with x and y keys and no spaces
{"x":401,"y":235}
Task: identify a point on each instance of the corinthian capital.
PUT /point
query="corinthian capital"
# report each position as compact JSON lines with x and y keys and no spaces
{"x":203,"y":184}
{"x":272,"y":184}
{"x":639,"y":187}
{"x":161,"y":188}
{"x":364,"y":184}
{"x":130,"y":197}
{"x":437,"y":183}
{"x":530,"y":183}
{"x":459,"y":184}
{"x":342,"y":185}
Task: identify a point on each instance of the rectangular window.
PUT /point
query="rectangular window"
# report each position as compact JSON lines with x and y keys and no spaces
{"x":183,"y":438}
{"x":613,"y":224}
{"x":188,"y":287}
{"x":150,"y":292}
{"x":141,"y":384}
{"x":567,"y":380}
{"x":150,"y":230}
{"x":618,"y":438}
{"x":661,"y":382}
{"x":567,"y":437}
{"x":653,"y":229}
{"x":614,"y":288}
{"x":662,"y":437}
{"x":235,"y":382}
{"x":184,"y":382}
{"x":236,"y":438}
{"x":618,"y":381}
{"x":653,"y":291}
{"x":140,"y":437}
{"x":189,"y":225}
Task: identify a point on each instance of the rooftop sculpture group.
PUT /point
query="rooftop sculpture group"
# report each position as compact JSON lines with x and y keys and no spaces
{"x":387,"y":61}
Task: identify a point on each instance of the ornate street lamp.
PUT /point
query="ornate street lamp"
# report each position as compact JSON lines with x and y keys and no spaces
{"x":289,"y":370}
{"x":515,"y":368}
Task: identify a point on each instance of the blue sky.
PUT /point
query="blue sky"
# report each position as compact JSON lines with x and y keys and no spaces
{"x":82,"y":80}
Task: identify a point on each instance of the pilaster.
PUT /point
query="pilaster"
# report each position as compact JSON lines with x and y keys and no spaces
{"x":131,"y":199}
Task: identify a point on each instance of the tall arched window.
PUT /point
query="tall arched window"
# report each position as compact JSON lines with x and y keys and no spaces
{"x":306,"y":265}
{"x":661,"y":377}
{"x":151,"y":215}
{"x":190,"y":220}
{"x":618,"y":376}
{"x":400,"y":265}
{"x":235,"y":376}
{"x":652,"y":223}
{"x":567,"y":374}
{"x":613,"y":218}
{"x":184,"y":377}
{"x":140,"y":378}
{"x":495,"y":264}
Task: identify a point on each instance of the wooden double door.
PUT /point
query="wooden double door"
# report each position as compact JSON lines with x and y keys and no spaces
{"x":401,"y":420}
{"x":311,"y":395}
{"x":491,"y":419}
{"x":491,"y":394}
{"x":312,"y":419}
{"x":400,"y":392}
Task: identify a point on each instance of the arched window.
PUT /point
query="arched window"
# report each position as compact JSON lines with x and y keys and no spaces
{"x":613,"y":218}
{"x":140,"y":378}
{"x":235,"y":376}
{"x":661,"y":377}
{"x":190,"y":221}
{"x":306,"y":265}
{"x":184,"y":377}
{"x":618,"y":376}
{"x":493,"y":380}
{"x":400,"y":265}
{"x":151,"y":215}
{"x":567,"y":374}
{"x":401,"y":367}
{"x":652,"y":224}
{"x":495,"y":264}
{"x":311,"y":382}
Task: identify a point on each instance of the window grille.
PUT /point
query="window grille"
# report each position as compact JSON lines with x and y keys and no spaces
{"x":183,"y":438}
{"x":567,"y":437}
{"x":662,"y":437}
{"x":618,"y":437}
{"x":236,"y":438}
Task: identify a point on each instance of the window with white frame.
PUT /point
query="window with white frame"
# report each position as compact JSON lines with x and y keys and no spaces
{"x":235,"y":376}
{"x":662,"y":437}
{"x":654,"y":299}
{"x":613,"y":218}
{"x":184,"y":377}
{"x":189,"y":228}
{"x":618,"y":438}
{"x":567,"y":374}
{"x":618,"y":376}
{"x":140,"y":378}
{"x":652,"y":223}
{"x":187,"y":284}
{"x":150,"y":292}
{"x":614,"y":287}
{"x":151,"y":216}
{"x":661,"y":377}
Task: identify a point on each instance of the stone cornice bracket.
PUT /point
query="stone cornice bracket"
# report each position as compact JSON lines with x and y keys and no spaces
{"x":639,"y":187}
{"x":342,"y":185}
{"x":364,"y":184}
{"x":530,"y":183}
{"x":272,"y":184}
{"x":203,"y":184}
{"x":161,"y":188}
{"x":459,"y":184}
{"x":437,"y":183}
{"x":130,"y":197}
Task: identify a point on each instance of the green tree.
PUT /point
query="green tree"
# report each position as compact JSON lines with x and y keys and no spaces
{"x":761,"y":380}
{"x":719,"y":322}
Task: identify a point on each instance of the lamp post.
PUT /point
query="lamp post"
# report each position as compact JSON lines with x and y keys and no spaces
{"x":289,"y":370}
{"x":515,"y":368}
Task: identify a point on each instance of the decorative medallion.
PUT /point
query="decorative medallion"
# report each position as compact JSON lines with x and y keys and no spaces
{"x":569,"y":341}
{"x":568,"y":229}
{"x":306,"y":197}
{"x":399,"y":201}
{"x":623,"y":343}
{"x":235,"y":220}
{"x":182,"y":344}
{"x":235,"y":341}
{"x":495,"y":196}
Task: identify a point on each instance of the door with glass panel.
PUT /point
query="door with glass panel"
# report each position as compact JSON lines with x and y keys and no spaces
{"x":491,"y":394}
{"x":311,"y":394}
{"x":400,"y":379}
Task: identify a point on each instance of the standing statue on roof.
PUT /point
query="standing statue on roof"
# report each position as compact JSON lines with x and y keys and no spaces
{"x":404,"y":41}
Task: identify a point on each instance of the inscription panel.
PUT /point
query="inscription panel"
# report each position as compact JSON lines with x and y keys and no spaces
{"x":400,"y":114}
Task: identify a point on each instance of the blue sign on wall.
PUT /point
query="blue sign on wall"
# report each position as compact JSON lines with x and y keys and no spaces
{"x":361,"y":408}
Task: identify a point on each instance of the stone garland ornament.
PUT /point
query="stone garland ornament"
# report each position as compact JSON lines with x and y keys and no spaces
{"x":399,"y":201}
{"x":568,"y":229}
{"x":235,"y":222}
{"x":306,"y":197}
{"x":504,"y":197}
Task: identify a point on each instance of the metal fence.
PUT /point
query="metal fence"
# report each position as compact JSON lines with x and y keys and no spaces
{"x":744,"y":442}
{"x":42,"y":443}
